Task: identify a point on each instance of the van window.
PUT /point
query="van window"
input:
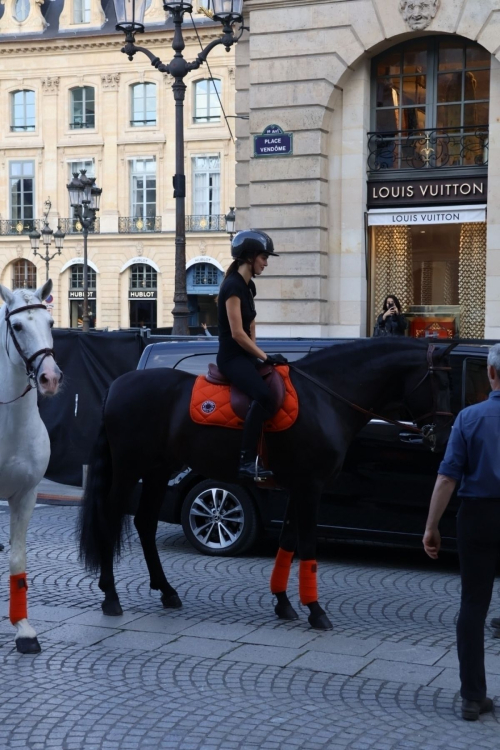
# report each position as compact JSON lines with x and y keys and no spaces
{"x":475,"y":383}
{"x":197,"y":364}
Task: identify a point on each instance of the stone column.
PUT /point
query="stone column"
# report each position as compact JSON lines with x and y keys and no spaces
{"x":48,"y":114}
{"x":108,"y":180}
{"x":492,"y":328}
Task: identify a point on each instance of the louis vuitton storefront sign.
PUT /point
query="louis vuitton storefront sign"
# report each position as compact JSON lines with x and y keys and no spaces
{"x":427,"y":192}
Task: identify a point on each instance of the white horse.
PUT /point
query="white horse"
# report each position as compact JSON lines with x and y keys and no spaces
{"x":26,"y":365}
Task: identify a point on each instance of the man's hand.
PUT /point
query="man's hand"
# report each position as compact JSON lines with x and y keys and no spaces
{"x":432,"y":542}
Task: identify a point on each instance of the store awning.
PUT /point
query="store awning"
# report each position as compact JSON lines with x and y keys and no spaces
{"x":432,"y":215}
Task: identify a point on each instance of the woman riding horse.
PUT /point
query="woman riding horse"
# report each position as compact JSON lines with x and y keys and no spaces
{"x":238,"y":354}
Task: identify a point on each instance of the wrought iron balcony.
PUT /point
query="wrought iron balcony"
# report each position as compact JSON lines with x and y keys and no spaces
{"x":127,"y":224}
{"x":428,"y":149}
{"x":73,"y":226}
{"x":206,"y":223}
{"x":19,"y":226}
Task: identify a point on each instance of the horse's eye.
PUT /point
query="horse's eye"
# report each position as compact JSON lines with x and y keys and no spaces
{"x":17,"y":327}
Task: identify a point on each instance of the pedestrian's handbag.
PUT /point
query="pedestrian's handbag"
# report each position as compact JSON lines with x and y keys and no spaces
{"x":379,"y":331}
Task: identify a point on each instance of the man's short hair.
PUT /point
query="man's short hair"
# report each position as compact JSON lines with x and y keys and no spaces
{"x":494,"y":358}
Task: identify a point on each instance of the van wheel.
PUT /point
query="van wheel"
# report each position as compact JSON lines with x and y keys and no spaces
{"x":219,"y":518}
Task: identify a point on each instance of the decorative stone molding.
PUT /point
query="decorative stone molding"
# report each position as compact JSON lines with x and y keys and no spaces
{"x":67,"y":17}
{"x":34,"y":22}
{"x":418,"y":14}
{"x":50,"y":85}
{"x":110,"y":81}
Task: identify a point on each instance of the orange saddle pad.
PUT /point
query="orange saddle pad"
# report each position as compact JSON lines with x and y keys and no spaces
{"x":211,"y":405}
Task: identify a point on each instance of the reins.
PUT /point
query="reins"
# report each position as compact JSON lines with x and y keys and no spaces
{"x":431,"y":368}
{"x":31,"y":372}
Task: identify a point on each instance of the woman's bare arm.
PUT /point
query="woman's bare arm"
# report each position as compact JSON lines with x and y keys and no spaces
{"x":252,"y":331}
{"x":233,"y":307}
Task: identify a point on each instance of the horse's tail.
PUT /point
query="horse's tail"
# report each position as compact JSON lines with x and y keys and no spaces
{"x":100,"y":523}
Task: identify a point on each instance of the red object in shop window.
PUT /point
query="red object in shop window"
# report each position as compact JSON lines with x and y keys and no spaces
{"x":442,"y":327}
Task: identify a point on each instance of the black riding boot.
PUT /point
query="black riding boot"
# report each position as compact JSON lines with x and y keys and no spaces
{"x":252,"y":430}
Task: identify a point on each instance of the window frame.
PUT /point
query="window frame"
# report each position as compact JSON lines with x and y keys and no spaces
{"x":210,"y":94}
{"x":76,"y":274}
{"x":149,"y":276}
{"x":137,"y":174}
{"x":83,"y":125}
{"x":85,"y":10}
{"x":29,"y":267}
{"x":22,"y":176}
{"x":210,"y":201}
{"x":25,"y":127}
{"x":135,"y":122}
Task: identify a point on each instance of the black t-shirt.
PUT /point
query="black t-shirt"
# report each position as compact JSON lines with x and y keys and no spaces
{"x":235,"y":286}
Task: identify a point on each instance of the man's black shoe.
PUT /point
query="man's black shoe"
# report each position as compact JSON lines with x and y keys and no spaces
{"x":472,"y":709}
{"x":247,"y":471}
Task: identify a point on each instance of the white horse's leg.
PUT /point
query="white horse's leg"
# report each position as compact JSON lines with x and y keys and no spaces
{"x":21,"y":509}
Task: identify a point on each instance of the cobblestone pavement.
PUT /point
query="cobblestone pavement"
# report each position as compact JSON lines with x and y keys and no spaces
{"x":223,"y":672}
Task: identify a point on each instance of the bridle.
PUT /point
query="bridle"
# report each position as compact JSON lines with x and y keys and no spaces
{"x":31,"y":371}
{"x":428,"y":431}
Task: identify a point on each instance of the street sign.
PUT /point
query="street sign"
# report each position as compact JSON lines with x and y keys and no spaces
{"x":273,"y":142}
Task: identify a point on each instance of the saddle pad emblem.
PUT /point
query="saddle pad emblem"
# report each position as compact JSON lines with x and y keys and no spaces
{"x":211,"y":405}
{"x":208,"y":407}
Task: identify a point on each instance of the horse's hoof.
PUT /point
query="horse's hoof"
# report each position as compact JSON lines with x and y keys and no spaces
{"x":171,"y":602}
{"x":111,"y":608}
{"x":286,"y":611}
{"x":28,"y":645}
{"x":320,"y":622}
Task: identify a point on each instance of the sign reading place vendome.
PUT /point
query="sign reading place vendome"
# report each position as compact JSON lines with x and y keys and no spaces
{"x":273,"y":142}
{"x":449,"y":190}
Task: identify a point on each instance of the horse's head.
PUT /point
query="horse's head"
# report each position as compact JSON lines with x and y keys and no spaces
{"x":28,"y":336}
{"x":427,"y":395}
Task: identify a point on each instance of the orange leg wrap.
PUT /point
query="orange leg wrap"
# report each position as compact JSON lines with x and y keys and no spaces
{"x":308,"y":586}
{"x":18,"y":603}
{"x":281,"y":571}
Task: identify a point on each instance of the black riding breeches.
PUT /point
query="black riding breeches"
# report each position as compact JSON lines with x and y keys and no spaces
{"x":242,"y":372}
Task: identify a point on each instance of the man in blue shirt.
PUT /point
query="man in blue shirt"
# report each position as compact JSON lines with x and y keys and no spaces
{"x":472,"y":459}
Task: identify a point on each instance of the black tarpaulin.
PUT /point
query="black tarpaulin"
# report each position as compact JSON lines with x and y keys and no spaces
{"x":90,"y":362}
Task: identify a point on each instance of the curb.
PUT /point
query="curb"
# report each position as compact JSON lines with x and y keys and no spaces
{"x":49,"y":499}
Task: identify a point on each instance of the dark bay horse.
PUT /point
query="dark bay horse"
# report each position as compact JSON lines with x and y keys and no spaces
{"x":147,"y":434}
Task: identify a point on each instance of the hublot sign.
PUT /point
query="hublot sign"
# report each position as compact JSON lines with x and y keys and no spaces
{"x":150,"y":294}
{"x":451,"y":190}
{"x":77,"y":294}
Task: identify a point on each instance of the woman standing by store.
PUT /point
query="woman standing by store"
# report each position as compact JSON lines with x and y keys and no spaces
{"x":391,"y":321}
{"x":239,"y":355}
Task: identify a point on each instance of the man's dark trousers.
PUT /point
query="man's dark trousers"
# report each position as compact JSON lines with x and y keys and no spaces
{"x":478,"y":531}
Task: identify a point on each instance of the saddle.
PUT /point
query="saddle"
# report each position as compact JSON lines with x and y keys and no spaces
{"x":216,"y":402}
{"x":240,"y":402}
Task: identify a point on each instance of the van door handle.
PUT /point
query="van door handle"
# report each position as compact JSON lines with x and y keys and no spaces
{"x":410,"y":437}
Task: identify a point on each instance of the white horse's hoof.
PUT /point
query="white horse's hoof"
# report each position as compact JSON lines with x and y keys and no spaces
{"x":28,"y":645}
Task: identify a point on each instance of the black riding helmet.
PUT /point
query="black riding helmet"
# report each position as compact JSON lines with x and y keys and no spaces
{"x":251,"y":242}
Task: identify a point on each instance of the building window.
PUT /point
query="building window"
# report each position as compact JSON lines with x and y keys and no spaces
{"x":206,"y":185}
{"x":23,"y":110}
{"x":21,"y":10}
{"x":22,"y":198}
{"x":143,"y":188}
{"x":82,"y":107}
{"x":143,"y":276}
{"x":23,"y":275}
{"x":76,"y":281}
{"x":143,"y":104}
{"x":437,"y":83}
{"x":205,"y":274}
{"x":207,"y":106}
{"x":81,"y":11}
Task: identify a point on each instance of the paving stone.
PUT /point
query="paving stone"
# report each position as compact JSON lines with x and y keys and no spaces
{"x":272,"y":655}
{"x":280,"y":636}
{"x":158,"y":624}
{"x":141,"y":641}
{"x":43,"y":612}
{"x":232,"y":632}
{"x":319,"y":661}
{"x":400,"y":672}
{"x":491,"y":661}
{"x":102,"y":621}
{"x":408,"y":653}
{"x":341,"y":644}
{"x":83,"y":634}
{"x":209,"y":647}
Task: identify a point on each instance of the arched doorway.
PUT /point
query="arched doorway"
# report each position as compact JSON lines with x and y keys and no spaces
{"x":143,"y":295}
{"x":76,"y":296}
{"x":203,"y":280}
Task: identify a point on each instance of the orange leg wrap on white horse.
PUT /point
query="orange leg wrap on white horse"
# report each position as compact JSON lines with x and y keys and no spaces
{"x":308,"y":585}
{"x":281,"y":571}
{"x":18,"y":609}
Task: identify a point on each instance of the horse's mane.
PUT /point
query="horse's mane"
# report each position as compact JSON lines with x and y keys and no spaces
{"x":23,"y":296}
{"x":369,"y":348}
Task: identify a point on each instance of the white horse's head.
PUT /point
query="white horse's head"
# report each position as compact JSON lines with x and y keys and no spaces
{"x":32,"y":330}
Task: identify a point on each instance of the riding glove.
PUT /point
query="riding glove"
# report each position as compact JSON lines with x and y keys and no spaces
{"x":276,"y":359}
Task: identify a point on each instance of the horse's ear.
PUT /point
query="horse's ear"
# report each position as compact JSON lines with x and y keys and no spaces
{"x":44,"y":291}
{"x":442,"y":353}
{"x":6,"y":295}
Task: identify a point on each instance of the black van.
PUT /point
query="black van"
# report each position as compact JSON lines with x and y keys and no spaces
{"x":381,"y":496}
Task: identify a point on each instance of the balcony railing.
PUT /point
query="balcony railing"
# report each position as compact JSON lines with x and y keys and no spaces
{"x":214,"y":223}
{"x":73,"y":226}
{"x":428,"y":149}
{"x":127,"y":224}
{"x":78,"y":125}
{"x":19,"y":226}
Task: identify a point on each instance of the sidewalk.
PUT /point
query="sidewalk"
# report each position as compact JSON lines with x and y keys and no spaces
{"x":53,"y":493}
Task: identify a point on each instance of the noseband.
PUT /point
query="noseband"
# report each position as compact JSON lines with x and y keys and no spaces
{"x":31,"y":371}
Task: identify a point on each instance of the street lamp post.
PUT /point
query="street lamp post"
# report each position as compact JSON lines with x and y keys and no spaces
{"x":130,"y":20}
{"x":231,"y":222}
{"x":84,"y":196}
{"x":47,"y":235}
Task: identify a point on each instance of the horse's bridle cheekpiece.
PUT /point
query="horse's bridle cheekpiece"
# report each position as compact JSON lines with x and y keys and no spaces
{"x":31,"y":371}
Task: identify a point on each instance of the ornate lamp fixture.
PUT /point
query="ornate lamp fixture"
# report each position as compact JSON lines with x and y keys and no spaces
{"x":46,"y":236}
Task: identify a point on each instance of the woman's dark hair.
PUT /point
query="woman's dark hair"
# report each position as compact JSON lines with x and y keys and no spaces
{"x":396,"y":301}
{"x":233,"y":267}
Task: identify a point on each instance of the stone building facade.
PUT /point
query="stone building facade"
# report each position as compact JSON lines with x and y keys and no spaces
{"x":392,"y":186}
{"x":72,"y":100}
